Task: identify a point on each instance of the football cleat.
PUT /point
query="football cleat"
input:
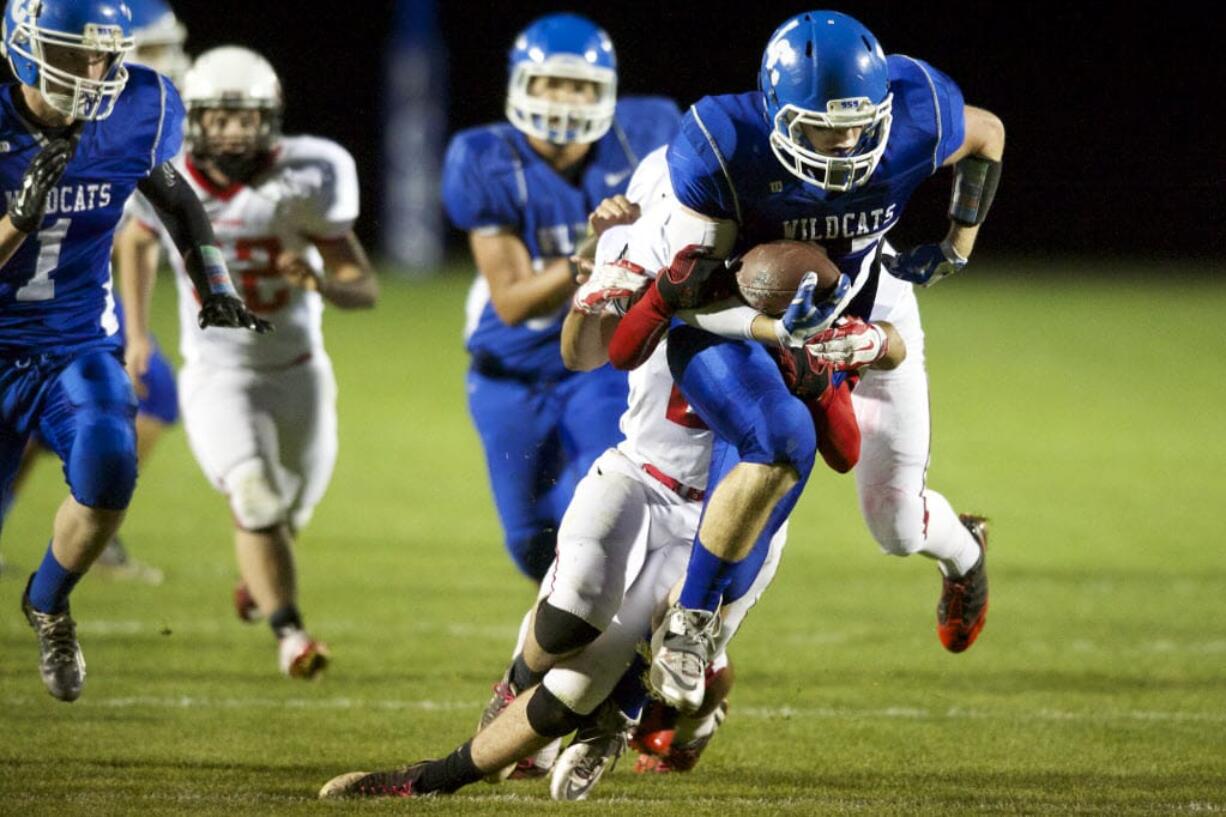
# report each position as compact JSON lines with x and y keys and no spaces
{"x":595,"y":750}
{"x":396,"y":783}
{"x":681,"y":757}
{"x":244,"y":604}
{"x":963,"y":607}
{"x":60,"y":662}
{"x":116,"y":563}
{"x":301,"y":656}
{"x":681,"y":647}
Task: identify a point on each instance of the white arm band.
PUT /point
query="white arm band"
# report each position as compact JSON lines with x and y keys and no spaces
{"x":728,"y":319}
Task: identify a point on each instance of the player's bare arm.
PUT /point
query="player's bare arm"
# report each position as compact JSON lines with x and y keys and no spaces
{"x":516,"y":291}
{"x":348,"y":281}
{"x":136,"y":258}
{"x":985,"y":140}
{"x":181,"y":212}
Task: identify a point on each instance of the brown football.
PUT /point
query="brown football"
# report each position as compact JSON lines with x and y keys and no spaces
{"x":771,"y":272}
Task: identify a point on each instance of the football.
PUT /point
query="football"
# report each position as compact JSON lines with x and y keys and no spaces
{"x":771,"y":272}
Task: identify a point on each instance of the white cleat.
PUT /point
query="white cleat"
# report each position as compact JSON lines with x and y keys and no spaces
{"x":60,"y":661}
{"x":594,"y":751}
{"x":301,"y":656}
{"x":681,"y":648}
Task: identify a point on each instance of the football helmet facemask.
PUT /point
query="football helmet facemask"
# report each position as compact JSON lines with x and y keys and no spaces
{"x":56,"y":46}
{"x":823,"y":69}
{"x":568,"y":47}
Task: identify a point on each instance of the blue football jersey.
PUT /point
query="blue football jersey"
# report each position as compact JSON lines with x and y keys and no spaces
{"x":55,"y":292}
{"x":721,"y":165}
{"x":493,"y":179}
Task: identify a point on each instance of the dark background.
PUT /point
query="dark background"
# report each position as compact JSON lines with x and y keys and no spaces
{"x":1113,"y":117}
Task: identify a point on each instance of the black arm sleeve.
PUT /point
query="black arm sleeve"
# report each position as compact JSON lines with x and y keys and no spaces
{"x":181,"y":212}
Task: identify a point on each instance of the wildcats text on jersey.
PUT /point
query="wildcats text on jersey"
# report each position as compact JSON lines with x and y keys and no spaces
{"x":72,"y":198}
{"x":846,"y":225}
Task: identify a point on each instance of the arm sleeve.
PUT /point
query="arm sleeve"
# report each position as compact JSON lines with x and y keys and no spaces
{"x":183,"y":217}
{"x":473,"y":197}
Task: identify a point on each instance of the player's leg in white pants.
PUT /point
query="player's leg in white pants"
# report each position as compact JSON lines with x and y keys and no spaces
{"x":307,"y":433}
{"x":904,"y":515}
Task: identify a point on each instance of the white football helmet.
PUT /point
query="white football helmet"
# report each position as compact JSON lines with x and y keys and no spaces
{"x":232,"y":78}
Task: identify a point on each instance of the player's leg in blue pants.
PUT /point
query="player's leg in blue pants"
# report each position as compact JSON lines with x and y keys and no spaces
{"x":591,"y":406}
{"x":518,"y":425}
{"x":84,"y":409}
{"x":736,"y":388}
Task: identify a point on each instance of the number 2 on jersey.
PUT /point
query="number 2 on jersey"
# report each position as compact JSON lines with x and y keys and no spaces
{"x":263,"y":288}
{"x":679,"y":410}
{"x":50,"y":241}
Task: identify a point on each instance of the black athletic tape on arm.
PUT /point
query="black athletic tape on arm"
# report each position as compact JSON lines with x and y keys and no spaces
{"x":559,"y":632}
{"x":181,"y":212}
{"x":975,"y":182}
{"x":548,"y":716}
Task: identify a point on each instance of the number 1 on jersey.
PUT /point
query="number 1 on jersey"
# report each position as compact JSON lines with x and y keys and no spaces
{"x":50,"y":242}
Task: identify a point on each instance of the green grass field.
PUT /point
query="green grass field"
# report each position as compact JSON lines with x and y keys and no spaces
{"x":1085,"y":419}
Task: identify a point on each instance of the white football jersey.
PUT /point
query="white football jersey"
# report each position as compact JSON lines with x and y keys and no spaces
{"x":309,"y":193}
{"x":659,"y":426}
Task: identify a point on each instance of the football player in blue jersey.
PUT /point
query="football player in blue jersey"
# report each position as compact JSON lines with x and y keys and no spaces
{"x":522,"y":191}
{"x":158,"y":36}
{"x":829,"y":149}
{"x":81,"y":133}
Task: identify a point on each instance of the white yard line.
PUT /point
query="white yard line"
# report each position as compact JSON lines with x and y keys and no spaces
{"x":754,"y":712}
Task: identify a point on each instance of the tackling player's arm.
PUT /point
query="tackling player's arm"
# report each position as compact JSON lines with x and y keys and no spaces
{"x":136,"y":261}
{"x":348,"y":281}
{"x":183,"y":216}
{"x":516,"y":291}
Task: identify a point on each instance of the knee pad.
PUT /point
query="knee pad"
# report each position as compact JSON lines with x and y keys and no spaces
{"x":255,"y":501}
{"x":534,"y":553}
{"x":548,"y":716}
{"x":101,"y":469}
{"x":896,"y":519}
{"x":559,"y":632}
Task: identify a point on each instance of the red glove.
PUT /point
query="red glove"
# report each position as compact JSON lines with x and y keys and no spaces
{"x":691,"y":280}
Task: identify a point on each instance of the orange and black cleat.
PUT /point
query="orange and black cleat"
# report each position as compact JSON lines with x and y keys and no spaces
{"x":963,"y":607}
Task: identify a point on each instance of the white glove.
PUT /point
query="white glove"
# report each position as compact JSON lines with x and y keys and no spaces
{"x":849,"y":344}
{"x":610,"y":288}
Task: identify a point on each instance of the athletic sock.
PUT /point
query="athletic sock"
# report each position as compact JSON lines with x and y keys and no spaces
{"x":284,"y":620}
{"x":706,"y":578}
{"x":450,"y":773}
{"x":522,"y":676}
{"x":690,"y":729}
{"x":51,"y":585}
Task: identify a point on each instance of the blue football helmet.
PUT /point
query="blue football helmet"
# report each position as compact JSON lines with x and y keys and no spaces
{"x":823,"y":69}
{"x":159,"y":37}
{"x":31,"y":27}
{"x":566,"y":46}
